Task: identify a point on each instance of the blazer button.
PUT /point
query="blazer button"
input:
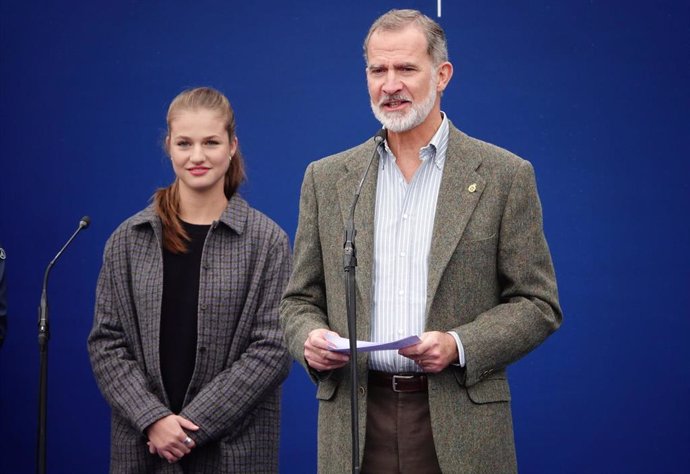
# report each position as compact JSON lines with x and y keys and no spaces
{"x":362,"y":391}
{"x":203,"y":306}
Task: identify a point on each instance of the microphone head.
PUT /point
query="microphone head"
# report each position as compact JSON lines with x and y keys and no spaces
{"x":84,"y":222}
{"x":380,"y":136}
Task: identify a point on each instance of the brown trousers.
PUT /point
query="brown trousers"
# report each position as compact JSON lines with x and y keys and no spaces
{"x":398,"y":435}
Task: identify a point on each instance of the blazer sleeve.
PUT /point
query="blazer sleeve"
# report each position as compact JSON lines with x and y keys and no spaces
{"x":222,"y":404}
{"x":111,"y":349}
{"x":304,"y":307}
{"x":529,"y":310}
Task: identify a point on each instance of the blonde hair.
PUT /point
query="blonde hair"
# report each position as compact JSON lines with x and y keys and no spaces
{"x":167,"y":200}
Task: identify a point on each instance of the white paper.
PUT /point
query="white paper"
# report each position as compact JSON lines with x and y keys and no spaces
{"x":341,"y":344}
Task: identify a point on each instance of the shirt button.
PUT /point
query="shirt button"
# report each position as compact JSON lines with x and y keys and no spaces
{"x":401,"y":292}
{"x":402,"y":254}
{"x":404,"y":216}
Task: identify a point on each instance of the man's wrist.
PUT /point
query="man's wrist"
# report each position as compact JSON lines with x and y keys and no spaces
{"x":461,"y":350}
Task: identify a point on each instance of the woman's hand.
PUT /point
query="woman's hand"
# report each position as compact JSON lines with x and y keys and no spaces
{"x":168,"y":439}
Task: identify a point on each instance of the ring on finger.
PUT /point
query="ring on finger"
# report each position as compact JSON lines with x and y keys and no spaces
{"x":187,"y":441}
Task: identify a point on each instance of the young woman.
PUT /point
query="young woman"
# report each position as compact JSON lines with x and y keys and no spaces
{"x":186,"y":345}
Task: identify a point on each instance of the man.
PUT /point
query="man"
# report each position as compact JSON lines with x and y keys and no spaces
{"x":450,"y":247}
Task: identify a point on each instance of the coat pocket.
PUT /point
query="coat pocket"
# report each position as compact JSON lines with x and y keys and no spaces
{"x":326,"y":389}
{"x":489,"y":391}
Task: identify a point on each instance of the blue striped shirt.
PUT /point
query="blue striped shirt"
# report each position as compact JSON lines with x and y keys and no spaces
{"x":404,"y":222}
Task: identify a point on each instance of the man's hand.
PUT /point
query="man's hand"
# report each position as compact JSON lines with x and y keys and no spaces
{"x":317,"y":354}
{"x":435,"y":352}
{"x":168,"y":439}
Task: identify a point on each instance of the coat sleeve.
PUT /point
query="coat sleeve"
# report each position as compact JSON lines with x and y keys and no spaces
{"x":111,"y":349}
{"x":529,"y":310}
{"x":304,"y":307}
{"x":222,"y":404}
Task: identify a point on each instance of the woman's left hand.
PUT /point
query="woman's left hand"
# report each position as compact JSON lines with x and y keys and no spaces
{"x":167,"y":437}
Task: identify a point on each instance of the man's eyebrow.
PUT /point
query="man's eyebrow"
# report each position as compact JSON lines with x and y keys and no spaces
{"x":406,"y":66}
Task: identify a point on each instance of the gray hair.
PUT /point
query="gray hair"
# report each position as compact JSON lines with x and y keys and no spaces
{"x":395,"y":20}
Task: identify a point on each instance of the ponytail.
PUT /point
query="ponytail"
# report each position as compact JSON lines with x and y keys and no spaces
{"x":167,"y":202}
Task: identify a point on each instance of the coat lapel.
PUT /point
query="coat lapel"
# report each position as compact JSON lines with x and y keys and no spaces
{"x":148,"y":249}
{"x":461,"y":188}
{"x":364,"y":225}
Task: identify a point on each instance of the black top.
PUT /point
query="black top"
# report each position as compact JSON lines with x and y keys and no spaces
{"x":179,"y":315}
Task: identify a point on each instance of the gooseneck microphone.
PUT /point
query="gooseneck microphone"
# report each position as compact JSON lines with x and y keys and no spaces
{"x":43,"y":337}
{"x":349,"y":264}
{"x":379,"y":138}
{"x":43,"y":307}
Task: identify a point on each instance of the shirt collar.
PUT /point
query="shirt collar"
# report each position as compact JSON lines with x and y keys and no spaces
{"x":435,"y":149}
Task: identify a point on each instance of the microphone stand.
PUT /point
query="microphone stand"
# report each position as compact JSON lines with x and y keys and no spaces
{"x":349,"y":266}
{"x":43,"y":337}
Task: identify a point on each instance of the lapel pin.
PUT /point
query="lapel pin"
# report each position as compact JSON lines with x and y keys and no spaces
{"x":472,"y":188}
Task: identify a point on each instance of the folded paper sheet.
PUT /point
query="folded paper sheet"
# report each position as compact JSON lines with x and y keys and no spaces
{"x":341,"y":344}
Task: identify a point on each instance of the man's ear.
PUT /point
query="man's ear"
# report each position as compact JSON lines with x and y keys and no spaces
{"x":445,"y":73}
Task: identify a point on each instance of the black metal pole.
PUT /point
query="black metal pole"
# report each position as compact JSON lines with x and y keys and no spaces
{"x":350,"y":264}
{"x":43,"y":338}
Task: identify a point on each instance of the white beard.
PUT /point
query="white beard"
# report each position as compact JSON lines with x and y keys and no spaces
{"x":403,"y":121}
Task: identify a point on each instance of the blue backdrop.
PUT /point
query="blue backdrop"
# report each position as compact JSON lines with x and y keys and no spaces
{"x":594,"y":93}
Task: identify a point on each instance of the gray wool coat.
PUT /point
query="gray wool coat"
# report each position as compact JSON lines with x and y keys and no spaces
{"x":491,"y":279}
{"x":234,"y":393}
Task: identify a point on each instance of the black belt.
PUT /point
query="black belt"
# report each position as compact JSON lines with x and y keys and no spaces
{"x":401,"y":383}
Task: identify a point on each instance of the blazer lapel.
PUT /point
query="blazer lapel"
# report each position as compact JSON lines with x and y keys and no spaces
{"x":461,"y":188}
{"x":148,"y":249}
{"x":364,"y":226}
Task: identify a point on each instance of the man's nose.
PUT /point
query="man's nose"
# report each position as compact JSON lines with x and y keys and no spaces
{"x":392,"y":83}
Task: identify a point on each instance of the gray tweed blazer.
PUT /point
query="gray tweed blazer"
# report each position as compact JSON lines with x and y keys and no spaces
{"x":491,"y":279}
{"x":234,"y":393}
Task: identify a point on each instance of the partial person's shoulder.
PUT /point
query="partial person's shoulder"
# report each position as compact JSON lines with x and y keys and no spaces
{"x":260,"y":225}
{"x":337,"y":162}
{"x":144,"y":216}
{"x":492,"y":152}
{"x":265,"y":224}
{"x":123,"y":231}
{"x":492,"y":157}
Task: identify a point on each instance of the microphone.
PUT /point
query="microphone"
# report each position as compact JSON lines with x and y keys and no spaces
{"x":379,"y":138}
{"x":43,"y":336}
{"x":349,"y":265}
{"x":43,"y":333}
{"x":84,"y":222}
{"x":350,"y":232}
